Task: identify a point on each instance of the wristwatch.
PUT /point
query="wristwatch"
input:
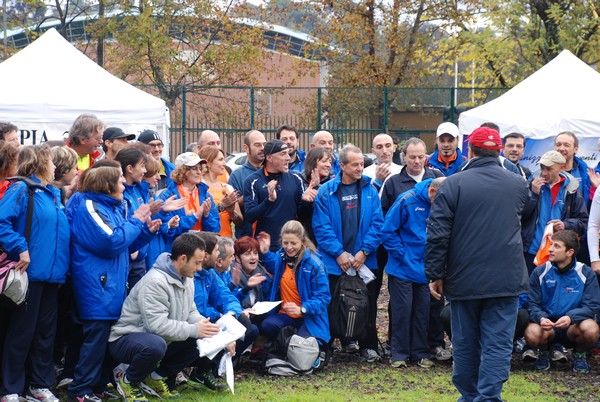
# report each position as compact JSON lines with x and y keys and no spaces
{"x":220,"y":207}
{"x":366,"y":253}
{"x":303,"y":310}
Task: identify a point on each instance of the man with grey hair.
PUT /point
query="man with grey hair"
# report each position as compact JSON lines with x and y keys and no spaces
{"x":347,"y":219}
{"x":85,"y":137}
{"x":254,"y":145}
{"x":414,"y":171}
{"x":383,"y":147}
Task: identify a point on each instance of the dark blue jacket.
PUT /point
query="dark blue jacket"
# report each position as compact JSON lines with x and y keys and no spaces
{"x":474,"y":233}
{"x":539,"y":210}
{"x":454,"y":167}
{"x":101,"y":240}
{"x":212,"y":297}
{"x":49,"y":240}
{"x":403,"y":234}
{"x":313,"y":288}
{"x":327,"y":224}
{"x":270,"y":216}
{"x":399,"y":183}
{"x":553,"y":294}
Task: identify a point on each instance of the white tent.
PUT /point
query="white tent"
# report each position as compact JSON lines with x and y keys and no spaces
{"x":46,"y":85}
{"x":561,"y":96}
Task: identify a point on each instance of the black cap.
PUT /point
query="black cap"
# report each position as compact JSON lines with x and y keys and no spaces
{"x":273,"y":147}
{"x":149,"y":135}
{"x":112,"y":133}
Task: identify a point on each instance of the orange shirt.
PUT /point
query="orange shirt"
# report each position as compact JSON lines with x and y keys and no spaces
{"x":447,"y":161}
{"x":289,"y":289}
{"x":193,"y":204}
{"x":218,"y":196}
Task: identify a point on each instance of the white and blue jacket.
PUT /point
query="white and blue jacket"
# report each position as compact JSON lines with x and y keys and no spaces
{"x":573,"y":292}
{"x":101,"y":240}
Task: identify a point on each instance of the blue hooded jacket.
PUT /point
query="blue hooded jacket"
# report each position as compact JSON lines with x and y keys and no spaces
{"x":49,"y":231}
{"x":580,"y":172}
{"x":404,"y":234}
{"x":553,"y":294}
{"x":213,"y":297}
{"x":327,"y":224}
{"x":101,"y":241}
{"x":313,"y":288}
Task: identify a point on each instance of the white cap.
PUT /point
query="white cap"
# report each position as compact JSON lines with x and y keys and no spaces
{"x":447,"y":128}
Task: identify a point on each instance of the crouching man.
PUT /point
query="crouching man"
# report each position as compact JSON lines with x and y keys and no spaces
{"x":156,"y":334}
{"x":563,"y":299}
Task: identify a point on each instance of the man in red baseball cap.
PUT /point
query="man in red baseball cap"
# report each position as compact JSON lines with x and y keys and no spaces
{"x":479,"y":207}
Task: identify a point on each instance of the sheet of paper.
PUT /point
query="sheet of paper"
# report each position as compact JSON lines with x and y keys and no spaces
{"x":263,"y":307}
{"x":226,"y":368}
{"x":231,"y":331}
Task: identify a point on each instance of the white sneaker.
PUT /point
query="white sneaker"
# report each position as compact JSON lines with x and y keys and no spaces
{"x":10,"y":398}
{"x":530,"y":355}
{"x":370,"y":355}
{"x":64,"y":382}
{"x":441,"y":354}
{"x":41,"y":395}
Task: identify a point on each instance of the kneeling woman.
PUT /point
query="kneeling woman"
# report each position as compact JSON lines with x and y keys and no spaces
{"x":300,"y":282}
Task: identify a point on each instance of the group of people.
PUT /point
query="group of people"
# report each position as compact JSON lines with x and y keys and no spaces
{"x":132,"y":258}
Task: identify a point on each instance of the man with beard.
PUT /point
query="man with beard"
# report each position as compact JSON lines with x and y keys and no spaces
{"x":447,"y":157}
{"x":514,"y":147}
{"x":289,"y":135}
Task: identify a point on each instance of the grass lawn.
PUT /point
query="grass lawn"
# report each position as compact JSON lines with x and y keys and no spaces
{"x":349,"y":379}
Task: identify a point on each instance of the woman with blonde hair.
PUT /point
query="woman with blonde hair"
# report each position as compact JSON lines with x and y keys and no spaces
{"x":300,"y":282}
{"x":223,"y":194}
{"x":65,"y":173}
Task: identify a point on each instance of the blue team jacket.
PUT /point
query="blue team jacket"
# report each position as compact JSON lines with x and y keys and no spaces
{"x":327,"y":224}
{"x":313,"y":288}
{"x":404,"y":234}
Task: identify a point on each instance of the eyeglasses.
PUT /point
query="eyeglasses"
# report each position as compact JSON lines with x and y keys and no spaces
{"x":159,"y":145}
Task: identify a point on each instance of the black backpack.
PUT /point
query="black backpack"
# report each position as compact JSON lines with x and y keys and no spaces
{"x":349,"y":308}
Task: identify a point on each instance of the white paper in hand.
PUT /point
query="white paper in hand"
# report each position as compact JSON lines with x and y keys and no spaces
{"x":263,"y":307}
{"x":231,"y":331}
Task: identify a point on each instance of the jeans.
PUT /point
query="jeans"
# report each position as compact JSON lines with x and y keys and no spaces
{"x":482,"y":336}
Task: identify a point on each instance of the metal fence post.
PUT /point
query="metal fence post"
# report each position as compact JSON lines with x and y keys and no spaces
{"x":252,"y":107}
{"x":452,"y":105}
{"x":319,"y":106}
{"x":386,"y":101}
{"x":183,"y":117}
